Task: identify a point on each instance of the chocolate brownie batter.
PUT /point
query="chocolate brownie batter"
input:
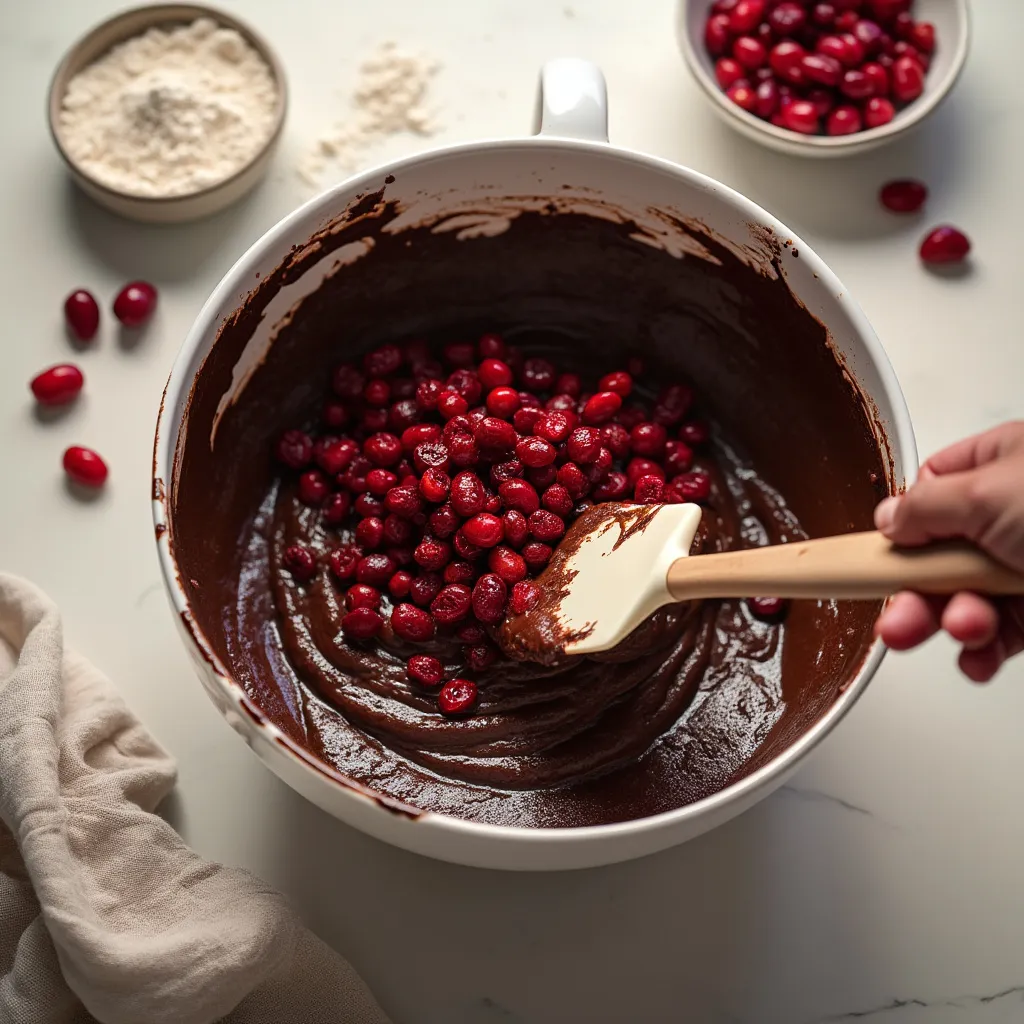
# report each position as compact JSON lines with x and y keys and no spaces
{"x":701,"y":694}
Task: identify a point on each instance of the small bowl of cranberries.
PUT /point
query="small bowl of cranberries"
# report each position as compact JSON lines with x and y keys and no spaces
{"x":824,"y":79}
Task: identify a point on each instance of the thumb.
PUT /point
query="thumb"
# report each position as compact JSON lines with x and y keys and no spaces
{"x":935,"y":508}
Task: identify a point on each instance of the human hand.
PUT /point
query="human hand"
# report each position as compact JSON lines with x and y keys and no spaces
{"x":974,"y":490}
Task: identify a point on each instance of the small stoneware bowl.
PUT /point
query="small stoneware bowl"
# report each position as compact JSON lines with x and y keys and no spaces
{"x":951,"y":19}
{"x":191,"y":205}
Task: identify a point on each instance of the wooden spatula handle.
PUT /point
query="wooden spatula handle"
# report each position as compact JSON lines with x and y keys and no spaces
{"x":855,"y":565}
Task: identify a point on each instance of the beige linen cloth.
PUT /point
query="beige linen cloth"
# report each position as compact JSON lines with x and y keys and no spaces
{"x":105,"y":914}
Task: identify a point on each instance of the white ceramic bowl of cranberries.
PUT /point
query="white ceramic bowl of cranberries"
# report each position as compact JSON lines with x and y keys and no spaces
{"x":824,"y":79}
{"x":569,"y":161}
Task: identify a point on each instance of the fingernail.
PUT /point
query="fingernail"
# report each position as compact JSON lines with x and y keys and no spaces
{"x":885,"y":513}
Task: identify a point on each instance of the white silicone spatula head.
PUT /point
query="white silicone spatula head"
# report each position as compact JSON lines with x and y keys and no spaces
{"x":607,"y":576}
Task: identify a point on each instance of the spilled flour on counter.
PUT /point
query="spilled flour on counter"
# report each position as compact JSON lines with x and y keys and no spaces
{"x":391,"y":97}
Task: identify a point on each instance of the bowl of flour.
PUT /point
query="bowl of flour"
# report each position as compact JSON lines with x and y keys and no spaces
{"x":168,"y":113}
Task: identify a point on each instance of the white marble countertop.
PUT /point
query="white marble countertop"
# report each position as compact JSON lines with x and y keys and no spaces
{"x":885,"y":883}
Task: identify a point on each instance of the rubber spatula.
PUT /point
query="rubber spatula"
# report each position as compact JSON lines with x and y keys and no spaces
{"x":619,"y":563}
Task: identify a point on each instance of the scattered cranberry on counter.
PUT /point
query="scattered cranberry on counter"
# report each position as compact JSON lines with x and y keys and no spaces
{"x":57,"y":385}
{"x":834,"y":68}
{"x":770,"y":609}
{"x":903,"y":196}
{"x":85,"y":467}
{"x":135,"y":303}
{"x":82,"y":313}
{"x":457,"y":695}
{"x":945,"y":245}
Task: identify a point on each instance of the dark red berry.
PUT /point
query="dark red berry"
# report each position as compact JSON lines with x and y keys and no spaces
{"x":535,"y":452}
{"x":484,"y":530}
{"x":488,"y":598}
{"x":746,"y":16}
{"x":375,"y":569}
{"x":444,"y":521}
{"x":878,"y":111}
{"x":57,"y":385}
{"x":82,"y":314}
{"x":295,"y":449}
{"x":468,"y":494}
{"x":557,"y":499}
{"x":525,"y":420}
{"x":343,"y":561}
{"x":337,"y":507}
{"x":300,"y":562}
{"x":313,"y":487}
{"x":516,"y":528}
{"x":536,"y":555}
{"x":456,"y":696}
{"x":360,"y":595}
{"x":491,"y":346}
{"x":404,"y":501}
{"x":801,"y":116}
{"x":452,"y":603}
{"x":844,"y":120}
{"x":433,"y":554}
{"x":907,"y":79}
{"x":370,"y":533}
{"x":347,"y":382}
{"x":380,"y":481}
{"x":649,"y":490}
{"x":464,"y":548}
{"x":787,"y":18}
{"x":459,"y":572}
{"x":584,"y":444}
{"x":383,"y":449}
{"x":525,"y":596}
{"x":450,"y":403}
{"x":412,"y":623}
{"x":945,"y":245}
{"x":425,"y":588}
{"x":767,"y":608}
{"x":693,"y":486}
{"x":507,"y":564}
{"x":135,"y":303}
{"x":717,"y":34}
{"x":568,"y":384}
{"x":786,"y":60}
{"x":424,"y":669}
{"x":613,"y":487}
{"x":335,"y":456}
{"x":503,"y":402}
{"x":382,"y":361}
{"x":545,"y":526}
{"x":904,"y":196}
{"x":400,"y":584}
{"x":538,"y":374}
{"x":362,"y":623}
{"x":495,"y":435}
{"x":510,"y":469}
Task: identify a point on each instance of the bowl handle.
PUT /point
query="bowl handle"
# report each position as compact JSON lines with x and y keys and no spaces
{"x":572,"y":101}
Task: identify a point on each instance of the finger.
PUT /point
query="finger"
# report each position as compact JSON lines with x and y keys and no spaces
{"x":974,"y":451}
{"x":909,"y":620}
{"x":935,"y":509}
{"x":972,"y":620}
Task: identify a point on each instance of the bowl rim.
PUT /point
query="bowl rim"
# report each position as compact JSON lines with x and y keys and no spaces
{"x":237,"y":281}
{"x":905,"y":119}
{"x":164,"y":14}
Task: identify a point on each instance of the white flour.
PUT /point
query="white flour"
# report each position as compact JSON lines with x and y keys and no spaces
{"x":171,"y":111}
{"x":390,"y":97}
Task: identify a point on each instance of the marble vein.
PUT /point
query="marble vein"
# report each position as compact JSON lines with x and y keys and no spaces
{"x":959,"y":1003}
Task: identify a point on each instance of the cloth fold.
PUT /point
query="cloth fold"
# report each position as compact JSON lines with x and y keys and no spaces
{"x":105,"y":914}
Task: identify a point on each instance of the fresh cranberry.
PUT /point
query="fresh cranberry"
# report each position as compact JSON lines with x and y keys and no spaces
{"x":452,"y":603}
{"x":678,"y":457}
{"x":468,"y":494}
{"x":362,"y":596}
{"x":878,"y":77}
{"x":767,"y":608}
{"x":491,"y":346}
{"x":904,"y":196}
{"x":82,"y":314}
{"x":313,"y":487}
{"x":494,"y":373}
{"x":450,"y":403}
{"x":347,"y":382}
{"x":568,"y":384}
{"x":584,"y":444}
{"x":459,"y":572}
{"x":856,"y":84}
{"x":367,"y":505}
{"x":362,"y":623}
{"x":382,"y":361}
{"x":525,"y":596}
{"x":573,"y":479}
{"x":557,"y":499}
{"x":374,"y":420}
{"x":616,"y":438}
{"x":613,"y":487}
{"x":869,"y":34}
{"x":488,"y":598}
{"x":907,"y":79}
{"x":335,"y":415}
{"x":844,"y":120}
{"x":878,"y":111}
{"x":480,"y":657}
{"x":375,"y":569}
{"x":819,"y":67}
{"x":648,"y":439}
{"x":335,"y":456}
{"x":343,"y":561}
{"x":484,"y":530}
{"x":639,"y":467}
{"x":767,"y":98}
{"x":403,"y":414}
{"x":435,"y":485}
{"x":673,"y":404}
{"x":380,"y":481}
{"x":433,"y":554}
{"x":649,"y":490}
{"x":370,"y":533}
{"x":520,"y":495}
{"x":463,"y":451}
{"x":424,"y":669}
{"x":412,"y":623}
{"x":377,"y":392}
{"x":801,"y":116}
{"x":823,"y":99}
{"x":456,"y":696}
{"x":728,"y":72}
{"x":428,"y":369}
{"x":824,"y":15}
{"x":57,"y":385}
{"x":427,"y":392}
{"x":945,"y":245}
{"x":555,"y":426}
{"x":464,"y":548}
{"x":403,"y":501}
{"x":538,"y":374}
{"x":135,"y":303}
{"x":694,"y":486}
{"x":503,"y":402}
{"x":337,"y":507}
{"x":542,"y":476}
{"x":467,"y":383}
{"x":535,"y":452}
{"x":294,"y":449}
{"x":400,"y":584}
{"x":744,"y":97}
{"x":526,"y":419}
{"x":300,"y":562}
{"x":459,"y":353}
{"x":536,"y":555}
{"x":847,"y":21}
{"x":717,"y":34}
{"x":787,"y":18}
{"x":746,"y":16}
{"x":425,"y":588}
{"x":599,"y":468}
{"x":545,"y":526}
{"x":516,"y":529}
{"x":507,"y":564}
{"x":444,"y":521}
{"x":922,"y":36}
{"x":495,"y":435}
{"x":510,"y":469}
{"x":786,"y":60}
{"x":383,"y":449}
